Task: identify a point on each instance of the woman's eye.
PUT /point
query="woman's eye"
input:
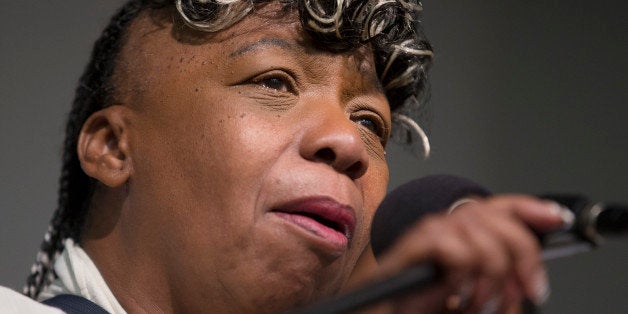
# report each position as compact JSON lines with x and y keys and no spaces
{"x":368,"y":123}
{"x":372,"y":125}
{"x":277,"y":83}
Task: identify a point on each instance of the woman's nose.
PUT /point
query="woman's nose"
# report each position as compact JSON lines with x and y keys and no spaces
{"x":332,"y":138}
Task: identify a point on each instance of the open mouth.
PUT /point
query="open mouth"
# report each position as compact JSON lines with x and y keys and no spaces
{"x":323,"y":217}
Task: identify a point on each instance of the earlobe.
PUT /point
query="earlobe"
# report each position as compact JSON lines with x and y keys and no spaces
{"x":103,"y":146}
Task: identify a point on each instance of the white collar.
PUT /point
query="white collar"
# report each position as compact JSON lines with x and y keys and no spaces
{"x":79,"y":276}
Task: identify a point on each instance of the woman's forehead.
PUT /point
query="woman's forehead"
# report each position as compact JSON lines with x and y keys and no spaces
{"x":152,"y":46}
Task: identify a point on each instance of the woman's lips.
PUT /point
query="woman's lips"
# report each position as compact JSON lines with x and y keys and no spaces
{"x":322,"y":216}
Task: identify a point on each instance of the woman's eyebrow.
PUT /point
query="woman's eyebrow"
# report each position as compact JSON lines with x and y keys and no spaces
{"x":262,"y":43}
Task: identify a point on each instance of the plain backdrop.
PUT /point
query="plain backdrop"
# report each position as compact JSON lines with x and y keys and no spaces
{"x":529,"y":96}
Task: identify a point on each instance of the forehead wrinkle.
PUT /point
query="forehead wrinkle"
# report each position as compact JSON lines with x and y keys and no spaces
{"x":262,"y":43}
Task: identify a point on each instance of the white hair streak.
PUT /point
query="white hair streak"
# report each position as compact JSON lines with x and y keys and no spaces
{"x":373,"y":29}
{"x":403,"y":47}
{"x":411,"y":125}
{"x":317,"y":13}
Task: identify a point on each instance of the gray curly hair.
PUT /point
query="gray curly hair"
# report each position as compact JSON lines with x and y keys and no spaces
{"x":391,"y":28}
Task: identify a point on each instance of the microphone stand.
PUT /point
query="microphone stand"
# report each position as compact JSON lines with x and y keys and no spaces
{"x":415,"y":278}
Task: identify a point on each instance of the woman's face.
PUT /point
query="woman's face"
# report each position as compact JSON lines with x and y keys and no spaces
{"x":258,"y":161}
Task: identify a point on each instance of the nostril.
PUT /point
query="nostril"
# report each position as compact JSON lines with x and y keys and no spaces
{"x":356,"y":170}
{"x":326,"y":155}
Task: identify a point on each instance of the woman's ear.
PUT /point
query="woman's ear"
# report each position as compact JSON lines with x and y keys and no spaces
{"x":103,"y":146}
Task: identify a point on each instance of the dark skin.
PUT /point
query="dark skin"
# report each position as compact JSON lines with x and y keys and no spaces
{"x":207,"y":141}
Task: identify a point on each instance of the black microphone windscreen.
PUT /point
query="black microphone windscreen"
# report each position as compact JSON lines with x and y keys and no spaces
{"x":613,"y":220}
{"x":405,"y":205}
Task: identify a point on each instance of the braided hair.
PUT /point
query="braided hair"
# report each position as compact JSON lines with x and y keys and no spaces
{"x":391,"y":27}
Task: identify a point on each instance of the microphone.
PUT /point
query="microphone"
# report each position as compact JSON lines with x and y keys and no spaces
{"x":399,"y":210}
{"x":594,"y":222}
{"x":402,"y":207}
{"x":408,"y":203}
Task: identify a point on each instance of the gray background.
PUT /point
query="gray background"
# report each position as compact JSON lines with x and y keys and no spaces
{"x":528,"y":97}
